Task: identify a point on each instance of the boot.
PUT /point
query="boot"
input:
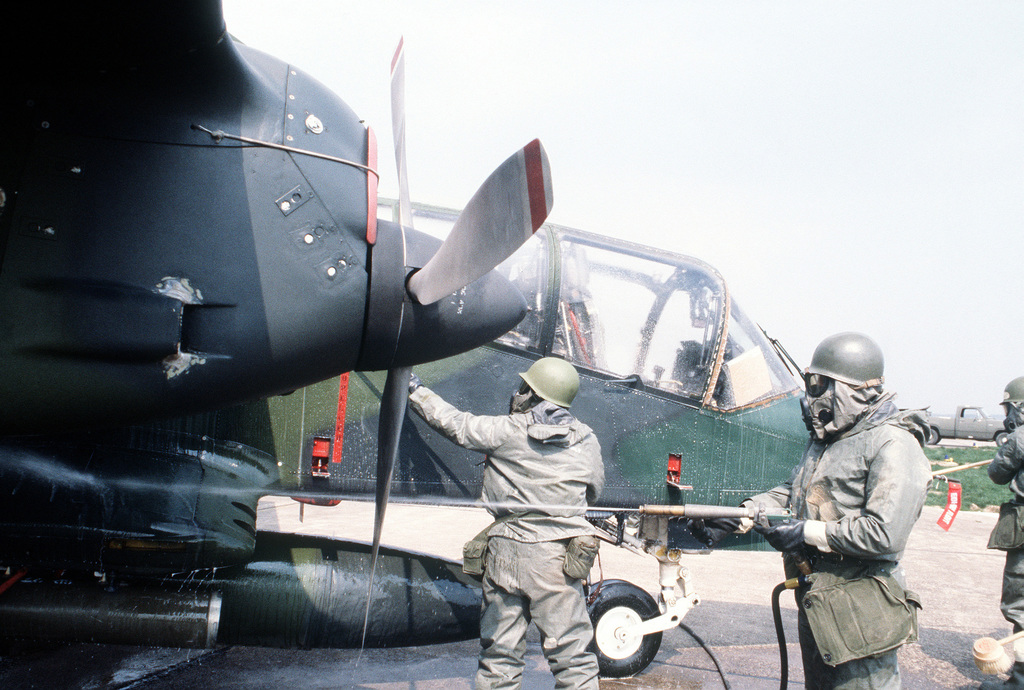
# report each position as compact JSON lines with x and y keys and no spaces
{"x":1014,"y":682}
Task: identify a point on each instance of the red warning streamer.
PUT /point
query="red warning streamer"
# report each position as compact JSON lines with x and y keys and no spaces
{"x":952,"y":505}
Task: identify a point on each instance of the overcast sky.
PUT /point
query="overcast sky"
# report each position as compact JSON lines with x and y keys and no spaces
{"x":845,"y":165}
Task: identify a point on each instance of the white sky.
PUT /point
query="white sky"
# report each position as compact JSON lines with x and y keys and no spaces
{"x":845,"y":165}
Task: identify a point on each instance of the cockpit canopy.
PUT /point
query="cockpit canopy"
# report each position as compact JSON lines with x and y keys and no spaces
{"x":626,"y":311}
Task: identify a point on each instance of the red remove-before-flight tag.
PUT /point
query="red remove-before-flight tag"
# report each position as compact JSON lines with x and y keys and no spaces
{"x":956,"y":490}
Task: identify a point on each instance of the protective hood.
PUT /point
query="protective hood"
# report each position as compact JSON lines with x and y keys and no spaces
{"x":554,"y":425}
{"x":842,"y":406}
{"x":916,"y":422}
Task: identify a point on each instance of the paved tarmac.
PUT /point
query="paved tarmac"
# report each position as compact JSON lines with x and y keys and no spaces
{"x":957,"y":577}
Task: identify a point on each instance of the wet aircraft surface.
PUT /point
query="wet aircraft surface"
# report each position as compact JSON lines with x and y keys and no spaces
{"x":958,"y":579}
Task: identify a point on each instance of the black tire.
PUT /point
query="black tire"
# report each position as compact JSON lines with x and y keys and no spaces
{"x":1001,"y":437}
{"x":615,"y":604}
{"x":935,"y":437}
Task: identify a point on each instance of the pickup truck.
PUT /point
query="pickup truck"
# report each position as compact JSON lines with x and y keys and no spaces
{"x":969,"y":422}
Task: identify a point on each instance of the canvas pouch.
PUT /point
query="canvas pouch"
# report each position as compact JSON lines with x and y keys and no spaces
{"x":859,"y":617}
{"x":474,"y":551}
{"x":580,"y":554}
{"x":1009,"y":530}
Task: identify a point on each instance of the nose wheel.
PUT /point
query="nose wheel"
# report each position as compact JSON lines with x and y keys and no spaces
{"x":617,"y":609}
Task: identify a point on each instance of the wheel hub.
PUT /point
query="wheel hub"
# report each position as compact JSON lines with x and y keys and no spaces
{"x":615,"y":635}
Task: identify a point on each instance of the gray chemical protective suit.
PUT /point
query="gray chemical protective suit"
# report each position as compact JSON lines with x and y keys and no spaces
{"x":864,"y":488}
{"x":542,"y":457}
{"x":1008,"y":468}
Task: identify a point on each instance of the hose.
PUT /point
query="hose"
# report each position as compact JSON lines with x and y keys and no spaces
{"x":781,"y":634}
{"x":711,"y":654}
{"x":779,"y":631}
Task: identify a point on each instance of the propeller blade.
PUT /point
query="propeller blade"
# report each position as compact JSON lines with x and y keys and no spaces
{"x":393,"y":404}
{"x":508,"y":208}
{"x":398,"y":132}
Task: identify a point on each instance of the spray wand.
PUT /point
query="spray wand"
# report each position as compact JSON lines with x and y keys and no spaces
{"x":959,"y":468}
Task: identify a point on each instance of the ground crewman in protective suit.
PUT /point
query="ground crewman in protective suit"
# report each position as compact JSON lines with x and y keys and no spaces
{"x":538,"y":455}
{"x":1008,"y":468}
{"x":854,"y":498}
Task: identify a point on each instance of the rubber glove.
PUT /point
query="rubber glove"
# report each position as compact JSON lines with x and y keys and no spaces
{"x":710,"y":532}
{"x":784,"y":536}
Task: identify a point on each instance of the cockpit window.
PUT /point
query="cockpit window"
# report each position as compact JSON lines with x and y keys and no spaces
{"x":628,"y":311}
{"x":751,"y":369}
{"x":528,"y":269}
{"x":684,"y":326}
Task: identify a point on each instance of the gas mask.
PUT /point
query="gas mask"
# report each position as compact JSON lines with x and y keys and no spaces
{"x":832,"y":407}
{"x":805,"y":411}
{"x":819,"y":406}
{"x":1014,"y":416}
{"x":522,"y":400}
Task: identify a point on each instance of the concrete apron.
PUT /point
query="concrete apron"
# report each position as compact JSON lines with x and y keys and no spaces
{"x":958,"y":578}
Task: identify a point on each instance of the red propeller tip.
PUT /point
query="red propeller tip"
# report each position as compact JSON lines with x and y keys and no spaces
{"x":537,"y":182}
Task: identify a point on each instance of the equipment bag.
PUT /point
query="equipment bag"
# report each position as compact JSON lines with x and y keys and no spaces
{"x":1009,"y":530}
{"x":860,"y":617}
{"x":474,"y":551}
{"x":580,"y":554}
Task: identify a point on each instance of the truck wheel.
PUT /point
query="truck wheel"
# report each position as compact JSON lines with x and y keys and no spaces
{"x":934,"y":437}
{"x":1001,"y":438}
{"x":615,"y":607}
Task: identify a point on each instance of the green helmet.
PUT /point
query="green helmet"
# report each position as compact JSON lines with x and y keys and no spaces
{"x":852,"y":358}
{"x":1014,"y":391}
{"x":554,"y":380}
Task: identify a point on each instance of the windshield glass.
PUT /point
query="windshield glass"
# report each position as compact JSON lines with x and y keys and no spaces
{"x":631,"y":311}
{"x":751,"y":369}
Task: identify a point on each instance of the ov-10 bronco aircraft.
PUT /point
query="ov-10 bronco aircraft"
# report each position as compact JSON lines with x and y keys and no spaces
{"x":191,"y":261}
{"x":694,"y":407}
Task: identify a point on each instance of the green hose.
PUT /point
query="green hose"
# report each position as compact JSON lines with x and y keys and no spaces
{"x":781,"y":634}
{"x":793,"y":583}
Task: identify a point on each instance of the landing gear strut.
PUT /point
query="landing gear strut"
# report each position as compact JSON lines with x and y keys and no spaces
{"x":628,"y":622}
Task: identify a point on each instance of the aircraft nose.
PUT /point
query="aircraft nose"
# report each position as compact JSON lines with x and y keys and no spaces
{"x":402,"y":332}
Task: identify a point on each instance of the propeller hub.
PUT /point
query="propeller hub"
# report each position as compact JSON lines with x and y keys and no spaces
{"x":402,"y":332}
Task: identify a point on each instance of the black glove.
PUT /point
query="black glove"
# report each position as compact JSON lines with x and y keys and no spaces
{"x":784,"y":536}
{"x":414,"y":382}
{"x":710,"y":532}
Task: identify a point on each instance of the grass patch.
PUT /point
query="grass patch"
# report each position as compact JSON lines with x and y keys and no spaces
{"x":979,"y":491}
